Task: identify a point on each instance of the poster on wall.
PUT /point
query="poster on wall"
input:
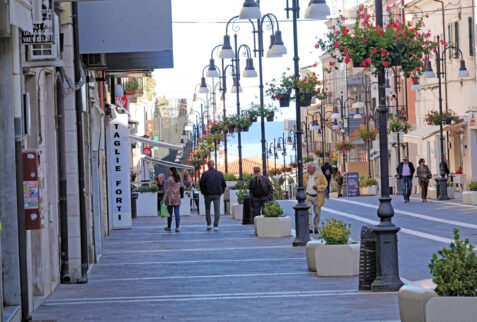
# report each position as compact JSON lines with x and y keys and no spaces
{"x":352,"y":184}
{"x":119,"y":180}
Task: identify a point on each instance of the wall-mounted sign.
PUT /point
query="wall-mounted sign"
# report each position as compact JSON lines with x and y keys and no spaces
{"x":473,"y":120}
{"x":122,"y":101}
{"x":43,"y":32}
{"x":119,"y":180}
{"x":352,"y":184}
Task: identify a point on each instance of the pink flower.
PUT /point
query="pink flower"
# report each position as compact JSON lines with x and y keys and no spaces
{"x":385,"y":63}
{"x":375,"y":51}
{"x":331,"y":63}
{"x":383,"y":53}
{"x":337,"y":44}
{"x":345,"y":51}
{"x":363,"y":63}
{"x":368,"y":60}
{"x":380,"y":32}
{"x":317,"y":46}
{"x":347,"y":59}
{"x":363,"y":40}
{"x":388,"y":9}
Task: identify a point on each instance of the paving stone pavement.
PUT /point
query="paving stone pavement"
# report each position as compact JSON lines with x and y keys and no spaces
{"x":148,"y":274}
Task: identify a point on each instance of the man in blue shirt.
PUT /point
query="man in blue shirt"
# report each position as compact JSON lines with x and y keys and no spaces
{"x":405,"y":171}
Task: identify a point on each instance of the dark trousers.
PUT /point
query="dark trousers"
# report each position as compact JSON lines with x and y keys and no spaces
{"x":176,"y":210}
{"x":424,"y":185}
{"x":216,"y":200}
{"x":257,"y":205}
{"x":406,"y":184}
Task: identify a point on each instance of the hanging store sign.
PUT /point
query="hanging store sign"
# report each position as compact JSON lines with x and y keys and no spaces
{"x":122,"y":101}
{"x":119,"y":183}
{"x":43,"y":31}
{"x":473,"y":120}
{"x":147,"y":151}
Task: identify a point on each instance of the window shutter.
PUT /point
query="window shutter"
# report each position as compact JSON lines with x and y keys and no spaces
{"x":449,"y":37}
{"x":471,"y":37}
{"x":456,"y":39}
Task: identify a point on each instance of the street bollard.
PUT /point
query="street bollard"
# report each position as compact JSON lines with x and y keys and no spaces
{"x":247,"y":218}
{"x":134,"y":196}
{"x":367,"y":258}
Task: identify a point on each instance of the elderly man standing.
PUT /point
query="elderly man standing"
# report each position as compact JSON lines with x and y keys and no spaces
{"x":261,"y":190}
{"x":405,"y":171}
{"x":315,"y":184}
{"x":212,"y":185}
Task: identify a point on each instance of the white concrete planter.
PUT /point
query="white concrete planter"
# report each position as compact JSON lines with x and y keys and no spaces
{"x":451,"y":192}
{"x":146,"y":204}
{"x":333,"y":195}
{"x":237,"y":211}
{"x":470,"y":197}
{"x":451,"y":308}
{"x":337,"y":260}
{"x":432,"y":193}
{"x":272,"y":227}
{"x":310,"y":254}
{"x":233,"y":196}
{"x":412,"y":303}
{"x":185,"y":205}
{"x":368,"y":191}
{"x":230,"y":184}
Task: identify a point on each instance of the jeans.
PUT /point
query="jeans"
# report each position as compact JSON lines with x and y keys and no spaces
{"x":257,"y":206}
{"x":216,"y":200}
{"x":406,"y":184}
{"x":176,"y":210}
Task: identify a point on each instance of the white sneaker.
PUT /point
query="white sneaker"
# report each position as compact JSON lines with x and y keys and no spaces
{"x":209,"y":227}
{"x":216,"y":228}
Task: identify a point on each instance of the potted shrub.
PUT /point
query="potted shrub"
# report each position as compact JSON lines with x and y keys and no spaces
{"x":147,"y":200}
{"x":470,"y":196}
{"x":309,"y":86}
{"x":454,"y":272}
{"x":272,"y":224}
{"x":336,"y":256}
{"x":230,"y":179}
{"x":281,"y":90}
{"x":244,"y":122}
{"x":368,"y":187}
{"x":334,"y":192}
{"x":131,"y":86}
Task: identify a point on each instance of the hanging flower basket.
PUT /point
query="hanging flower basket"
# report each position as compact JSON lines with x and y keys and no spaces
{"x":436,"y":118}
{"x":344,"y":146}
{"x":403,"y":44}
{"x":278,"y":89}
{"x":366,"y":134}
{"x":270,"y":116}
{"x":318,"y":153}
{"x":284,"y":100}
{"x":244,"y":129}
{"x":305,"y":99}
{"x":397,"y":124}
{"x":254,"y":118}
{"x":231,"y":128}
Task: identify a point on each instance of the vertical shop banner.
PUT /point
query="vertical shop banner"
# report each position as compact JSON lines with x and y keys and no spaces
{"x":352,"y":184}
{"x":119,"y":183}
{"x":472,"y":120}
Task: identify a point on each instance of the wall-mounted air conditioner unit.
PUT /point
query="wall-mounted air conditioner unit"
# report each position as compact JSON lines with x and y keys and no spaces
{"x":46,"y":51}
{"x":95,"y":61}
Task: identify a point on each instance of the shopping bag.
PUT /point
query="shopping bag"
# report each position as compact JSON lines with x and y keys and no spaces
{"x":164,"y":211}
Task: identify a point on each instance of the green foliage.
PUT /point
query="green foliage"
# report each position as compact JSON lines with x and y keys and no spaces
{"x":247,"y":177}
{"x":154,"y":188}
{"x":307,"y":159}
{"x":395,"y":124}
{"x":334,"y":189}
{"x":367,"y":182}
{"x":335,"y":232}
{"x":238,"y":186}
{"x":240,"y":195}
{"x":230,"y":177}
{"x":473,"y":186}
{"x":272,"y":209}
{"x":455,"y":268}
{"x":145,"y":188}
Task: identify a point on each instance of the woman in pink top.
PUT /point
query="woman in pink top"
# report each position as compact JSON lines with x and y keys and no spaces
{"x":172,"y":197}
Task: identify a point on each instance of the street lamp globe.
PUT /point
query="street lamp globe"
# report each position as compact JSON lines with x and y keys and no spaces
{"x":429,"y":73}
{"x":357,"y":115}
{"x":314,"y":125}
{"x":388,"y":88}
{"x":250,"y":10}
{"x":226,"y":52}
{"x":289,"y":141}
{"x":319,"y":134}
{"x":415,"y":85}
{"x":335,"y":116}
{"x":270,"y":52}
{"x":203,"y":89}
{"x":357,"y":105}
{"x":462,"y":70}
{"x":317,"y":9}
{"x":278,"y":48}
{"x":335,"y":126}
{"x":212,"y":71}
{"x":184,"y":135}
{"x":279,"y":147}
{"x":249,"y":69}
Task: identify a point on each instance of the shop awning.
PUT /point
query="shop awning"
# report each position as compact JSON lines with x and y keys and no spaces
{"x":159,"y":144}
{"x":419,"y":135}
{"x":168,"y":163}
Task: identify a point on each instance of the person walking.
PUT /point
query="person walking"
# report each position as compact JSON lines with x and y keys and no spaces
{"x":339,"y":181}
{"x":261,"y":190}
{"x":327,"y":171}
{"x":424,"y":174}
{"x":161,"y":183}
{"x":172,"y":198}
{"x":405,"y":171}
{"x":315,"y":184}
{"x":212,"y":186}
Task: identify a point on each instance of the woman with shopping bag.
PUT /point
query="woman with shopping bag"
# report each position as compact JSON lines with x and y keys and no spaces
{"x":172,"y":198}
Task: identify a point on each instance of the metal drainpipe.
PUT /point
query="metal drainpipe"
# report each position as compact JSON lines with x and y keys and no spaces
{"x":79,"y":129}
{"x":22,"y":236}
{"x":63,"y":204}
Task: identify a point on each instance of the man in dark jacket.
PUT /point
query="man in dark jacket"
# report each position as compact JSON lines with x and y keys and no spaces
{"x":327,"y":171}
{"x":212,"y":186}
{"x":261,"y":190}
{"x":405,"y":171}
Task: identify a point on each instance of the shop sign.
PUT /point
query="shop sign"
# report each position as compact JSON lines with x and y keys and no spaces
{"x":43,"y":32}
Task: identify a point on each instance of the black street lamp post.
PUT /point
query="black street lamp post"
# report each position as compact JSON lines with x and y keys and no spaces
{"x":274,"y":144}
{"x":321,"y":128}
{"x":387,"y":267}
{"x":344,"y":128}
{"x":305,"y":124}
{"x":430,"y":74}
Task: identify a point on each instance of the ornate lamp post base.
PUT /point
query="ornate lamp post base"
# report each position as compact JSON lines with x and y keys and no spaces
{"x":442,"y":182}
{"x":301,"y":220}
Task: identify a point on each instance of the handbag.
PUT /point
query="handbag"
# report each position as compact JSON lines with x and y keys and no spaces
{"x":164,"y":211}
